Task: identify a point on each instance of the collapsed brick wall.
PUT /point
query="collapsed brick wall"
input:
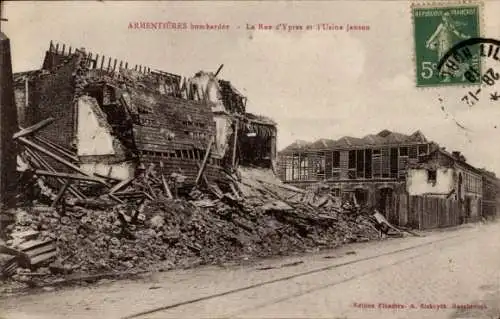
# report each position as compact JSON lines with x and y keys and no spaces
{"x":53,"y":96}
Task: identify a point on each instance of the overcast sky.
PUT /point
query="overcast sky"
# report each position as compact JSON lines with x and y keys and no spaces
{"x":315,"y":84}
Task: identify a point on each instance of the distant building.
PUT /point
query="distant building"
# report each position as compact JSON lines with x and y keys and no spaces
{"x":491,"y":200}
{"x":374,"y":167}
{"x":383,"y":168}
{"x":448,"y":175}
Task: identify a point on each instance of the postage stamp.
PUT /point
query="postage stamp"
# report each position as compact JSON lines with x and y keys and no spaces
{"x":436,"y":29}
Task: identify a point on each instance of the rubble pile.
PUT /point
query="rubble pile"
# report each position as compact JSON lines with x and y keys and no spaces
{"x":98,"y":235}
{"x":89,"y":224}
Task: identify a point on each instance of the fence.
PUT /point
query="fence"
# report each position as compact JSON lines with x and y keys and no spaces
{"x":425,"y":212}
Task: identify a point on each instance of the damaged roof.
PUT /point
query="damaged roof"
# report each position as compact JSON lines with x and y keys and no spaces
{"x":260,"y":119}
{"x":384,"y":137}
{"x":455,"y":158}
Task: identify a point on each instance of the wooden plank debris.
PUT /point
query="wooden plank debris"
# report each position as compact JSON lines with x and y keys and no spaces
{"x":121,"y":185}
{"x":205,"y":160}
{"x":25,"y":235}
{"x":68,"y":176}
{"x":115,"y":198}
{"x":235,"y":143}
{"x":40,"y":162}
{"x":56,"y":157}
{"x":107,"y":177}
{"x":164,"y":183}
{"x":60,"y":194}
{"x":62,"y":151}
{"x":235,"y":192}
{"x":205,"y":180}
{"x":35,"y":261}
{"x":34,"y":128}
{"x":216,"y":190}
{"x":32,"y":244}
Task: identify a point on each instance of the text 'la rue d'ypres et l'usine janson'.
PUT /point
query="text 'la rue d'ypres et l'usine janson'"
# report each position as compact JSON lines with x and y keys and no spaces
{"x":289,"y":27}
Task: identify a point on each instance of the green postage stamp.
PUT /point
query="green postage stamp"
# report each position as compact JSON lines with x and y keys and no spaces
{"x":436,"y":30}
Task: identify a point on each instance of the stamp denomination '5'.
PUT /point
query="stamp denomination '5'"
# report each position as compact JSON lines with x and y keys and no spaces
{"x":436,"y":30}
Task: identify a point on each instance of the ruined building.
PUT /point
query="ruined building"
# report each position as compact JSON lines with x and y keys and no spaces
{"x":380,"y":168}
{"x":117,"y":118}
{"x":448,"y":175}
{"x":372,"y":167}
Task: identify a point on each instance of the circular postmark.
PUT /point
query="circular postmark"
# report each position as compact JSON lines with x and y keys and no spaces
{"x":458,"y":60}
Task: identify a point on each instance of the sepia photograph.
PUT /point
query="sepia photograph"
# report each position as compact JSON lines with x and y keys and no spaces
{"x":250,"y":159}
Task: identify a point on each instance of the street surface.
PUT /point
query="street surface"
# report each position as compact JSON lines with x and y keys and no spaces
{"x":413,"y":277}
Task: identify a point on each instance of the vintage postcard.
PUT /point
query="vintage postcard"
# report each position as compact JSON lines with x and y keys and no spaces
{"x":249,"y":159}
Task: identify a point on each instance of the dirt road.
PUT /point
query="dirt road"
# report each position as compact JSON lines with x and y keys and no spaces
{"x":450,"y":274}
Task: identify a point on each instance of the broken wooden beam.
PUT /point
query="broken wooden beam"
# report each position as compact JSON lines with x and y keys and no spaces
{"x":216,"y":190}
{"x":42,"y":163}
{"x":34,"y":128}
{"x":92,"y":203}
{"x":25,"y":235}
{"x":38,"y":260}
{"x":205,"y":180}
{"x":10,"y":251}
{"x":129,"y":195}
{"x":148,"y":196}
{"x":56,"y":158}
{"x":204,"y":163}
{"x":68,"y":176}
{"x":38,"y":247}
{"x":60,"y":194}
{"x":107,"y":177}
{"x":150,"y":189}
{"x":115,"y":198}
{"x":167,"y":190}
{"x":121,"y":185}
{"x":235,"y":192}
{"x":57,"y":148}
{"x":164,"y":183}
{"x":235,"y":143}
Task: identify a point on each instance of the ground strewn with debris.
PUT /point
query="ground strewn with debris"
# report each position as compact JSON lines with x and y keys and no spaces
{"x":261,"y":218}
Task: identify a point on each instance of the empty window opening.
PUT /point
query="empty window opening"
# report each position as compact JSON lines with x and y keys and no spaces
{"x":403,"y":151}
{"x":431,"y":176}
